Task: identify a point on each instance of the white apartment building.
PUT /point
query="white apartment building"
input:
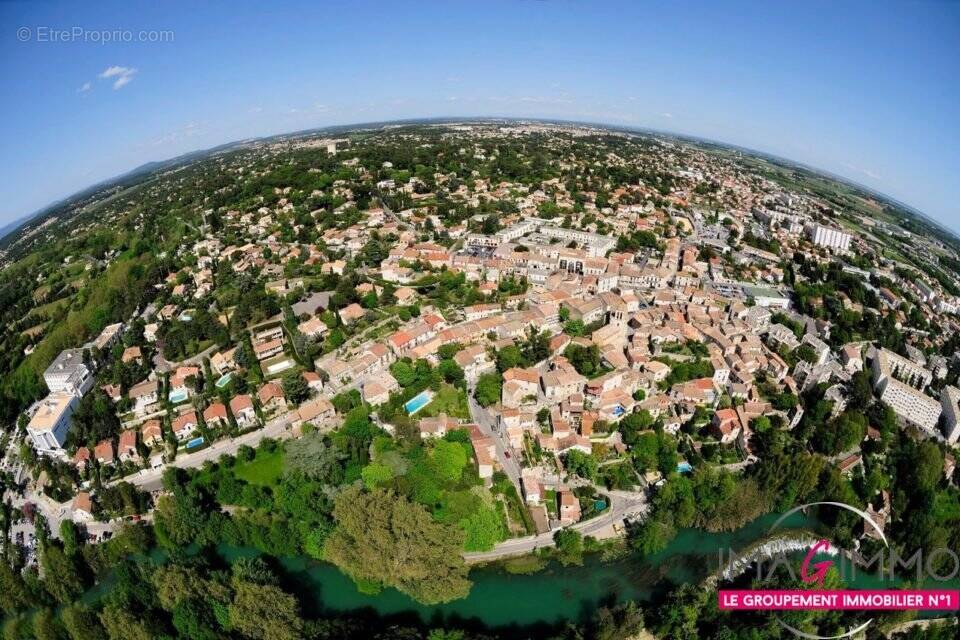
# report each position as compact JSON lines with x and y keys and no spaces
{"x":594,"y":244}
{"x":68,"y":374}
{"x":49,"y":425}
{"x":828,"y":237}
{"x":767,"y":297}
{"x":950,"y":401}
{"x":899,"y":384}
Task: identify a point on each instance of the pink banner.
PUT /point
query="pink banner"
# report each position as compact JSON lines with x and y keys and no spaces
{"x":842,"y":599}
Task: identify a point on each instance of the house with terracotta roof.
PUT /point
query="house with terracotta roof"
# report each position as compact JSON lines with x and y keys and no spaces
{"x":82,"y":507}
{"x":312,"y":328}
{"x":242,"y":408}
{"x":725,"y":425}
{"x":151,"y":432}
{"x":437,"y":427}
{"x":561,"y":380}
{"x":519,"y":386}
{"x":112,"y":391}
{"x":848,"y":464}
{"x":127,"y":448}
{"x":351,"y":313}
{"x":268,"y":349}
{"x":215,"y":416}
{"x":484,"y":450}
{"x":81,"y":459}
{"x":313,"y":380}
{"x":405,"y":296}
{"x":568,"y":507}
{"x":132,"y":354}
{"x":474,"y":361}
{"x":184,"y":425}
{"x":223,"y":361}
{"x":180,"y":377}
{"x":318,"y":412}
{"x":103,"y":452}
{"x":533,"y":490}
{"x":143,"y":394}
{"x":271,"y":397}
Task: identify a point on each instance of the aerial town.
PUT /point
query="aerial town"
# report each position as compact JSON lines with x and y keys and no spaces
{"x":536,"y":338}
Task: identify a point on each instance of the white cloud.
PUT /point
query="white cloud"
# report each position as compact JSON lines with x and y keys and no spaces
{"x":123,"y":75}
{"x":667,"y":115}
{"x":864,"y":171}
{"x":87,"y":86}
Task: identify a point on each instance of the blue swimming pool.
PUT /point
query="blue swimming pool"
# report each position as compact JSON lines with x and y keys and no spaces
{"x":196,"y":442}
{"x":618,"y":411}
{"x":224,"y":380}
{"x":178,"y":396}
{"x":684,"y":467}
{"x":418,"y":402}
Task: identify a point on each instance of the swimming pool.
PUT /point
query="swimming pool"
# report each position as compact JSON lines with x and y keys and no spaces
{"x":178,"y":396}
{"x":279,"y":366}
{"x":224,"y":380}
{"x":618,"y":411}
{"x":418,"y":402}
{"x":684,"y":467}
{"x":196,"y":442}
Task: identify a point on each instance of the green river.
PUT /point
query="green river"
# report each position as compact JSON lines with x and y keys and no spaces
{"x":549,"y":597}
{"x":553,"y":595}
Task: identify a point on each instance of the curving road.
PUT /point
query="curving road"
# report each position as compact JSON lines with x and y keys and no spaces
{"x":624,"y":504}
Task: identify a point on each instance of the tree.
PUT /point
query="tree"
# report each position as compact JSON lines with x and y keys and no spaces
{"x":508,"y":358}
{"x":195,"y":620}
{"x":404,"y":373}
{"x":295,"y":387}
{"x":314,"y":458}
{"x":121,"y":624}
{"x":383,"y":538}
{"x":69,"y":537}
{"x":81,"y":623}
{"x":451,"y":372}
{"x":586,"y":360}
{"x":483,"y":529}
{"x":14,"y":595}
{"x":631,"y":425}
{"x":569,"y":546}
{"x":582,"y":464}
{"x":375,"y":474}
{"x":807,"y":353}
{"x":449,"y":458}
{"x":264,"y":611}
{"x":620,"y":623}
{"x":61,"y":574}
{"x":574,"y":328}
{"x":840,"y":434}
{"x":46,"y":626}
{"x":488,"y":389}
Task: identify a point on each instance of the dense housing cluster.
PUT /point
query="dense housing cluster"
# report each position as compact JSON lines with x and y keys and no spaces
{"x":509,"y":335}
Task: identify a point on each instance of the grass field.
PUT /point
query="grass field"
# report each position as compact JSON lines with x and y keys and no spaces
{"x":449,"y":400}
{"x":264,"y":469}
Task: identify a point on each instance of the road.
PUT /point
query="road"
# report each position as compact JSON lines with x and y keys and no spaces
{"x":152,"y":479}
{"x":624,"y":504}
{"x":487,"y":423}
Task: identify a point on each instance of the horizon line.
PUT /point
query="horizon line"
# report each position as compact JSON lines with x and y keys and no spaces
{"x":18,"y":223}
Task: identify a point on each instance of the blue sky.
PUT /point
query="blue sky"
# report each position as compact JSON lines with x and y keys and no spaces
{"x":868,"y":90}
